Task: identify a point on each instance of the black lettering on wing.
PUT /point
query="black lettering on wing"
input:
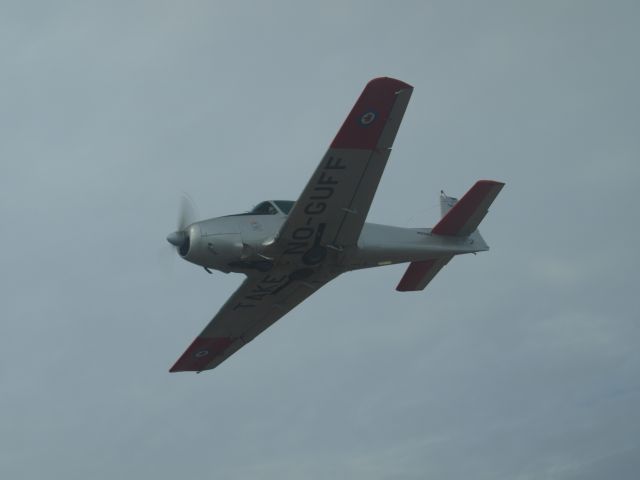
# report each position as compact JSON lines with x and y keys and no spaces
{"x":326,"y":179}
{"x":315,"y":208}
{"x":270,"y":279}
{"x":296,"y":248}
{"x":321,"y":193}
{"x":258,"y":296}
{"x":303,"y":233}
{"x":334,"y":164}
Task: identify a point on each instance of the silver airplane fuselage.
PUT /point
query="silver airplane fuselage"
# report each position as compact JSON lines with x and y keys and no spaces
{"x":245,"y":243}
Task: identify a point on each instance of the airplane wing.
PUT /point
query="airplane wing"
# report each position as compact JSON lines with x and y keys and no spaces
{"x":334,"y":204}
{"x":258,"y":303}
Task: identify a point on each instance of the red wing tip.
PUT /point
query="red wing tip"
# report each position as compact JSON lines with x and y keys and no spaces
{"x":405,"y":289}
{"x":363,"y":127}
{"x":175,"y":369}
{"x":390,"y":82}
{"x":201,"y":353}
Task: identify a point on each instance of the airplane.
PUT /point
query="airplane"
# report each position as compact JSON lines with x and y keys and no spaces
{"x":288,"y":250}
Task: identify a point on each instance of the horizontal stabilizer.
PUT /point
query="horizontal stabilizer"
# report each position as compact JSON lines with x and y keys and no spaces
{"x":465,"y":216}
{"x":419,"y":274}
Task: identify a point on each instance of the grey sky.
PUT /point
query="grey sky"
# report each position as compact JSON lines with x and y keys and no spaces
{"x":519,"y":363}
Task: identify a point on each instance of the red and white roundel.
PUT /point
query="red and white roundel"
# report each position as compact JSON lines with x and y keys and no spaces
{"x":367,"y":118}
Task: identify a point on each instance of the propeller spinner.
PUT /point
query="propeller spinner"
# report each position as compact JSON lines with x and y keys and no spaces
{"x":180,"y":238}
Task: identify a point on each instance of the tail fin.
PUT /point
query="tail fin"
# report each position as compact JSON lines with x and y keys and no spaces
{"x":465,"y":215}
{"x":446,"y":203}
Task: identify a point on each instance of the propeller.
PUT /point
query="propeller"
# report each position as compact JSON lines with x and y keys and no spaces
{"x":186,"y":216}
{"x":187,"y":213}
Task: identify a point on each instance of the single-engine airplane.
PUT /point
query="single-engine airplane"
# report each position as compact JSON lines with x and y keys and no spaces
{"x":288,"y":250}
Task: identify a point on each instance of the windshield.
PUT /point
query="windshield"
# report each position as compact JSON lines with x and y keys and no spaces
{"x":264,"y":208}
{"x":284,"y":205}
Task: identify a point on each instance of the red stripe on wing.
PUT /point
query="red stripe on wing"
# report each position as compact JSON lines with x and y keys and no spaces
{"x":364,"y":125}
{"x":200,"y":353}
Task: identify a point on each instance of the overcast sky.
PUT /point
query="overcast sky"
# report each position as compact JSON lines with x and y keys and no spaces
{"x":519,"y":363}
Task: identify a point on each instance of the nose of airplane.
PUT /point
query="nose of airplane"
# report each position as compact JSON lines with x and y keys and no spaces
{"x":181,"y":240}
{"x":177,"y":238}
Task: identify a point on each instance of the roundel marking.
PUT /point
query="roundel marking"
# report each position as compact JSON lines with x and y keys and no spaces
{"x":367,"y":118}
{"x":201,"y":353}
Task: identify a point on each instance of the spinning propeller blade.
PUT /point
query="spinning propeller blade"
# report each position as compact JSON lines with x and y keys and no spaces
{"x":186,"y":216}
{"x":187,"y":213}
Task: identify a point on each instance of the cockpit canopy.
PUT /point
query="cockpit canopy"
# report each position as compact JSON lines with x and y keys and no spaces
{"x":273,"y":207}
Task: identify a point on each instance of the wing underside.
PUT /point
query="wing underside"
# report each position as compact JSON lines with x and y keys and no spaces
{"x":259,"y":302}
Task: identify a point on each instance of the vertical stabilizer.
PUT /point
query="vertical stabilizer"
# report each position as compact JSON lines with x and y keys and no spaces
{"x":446,"y":203}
